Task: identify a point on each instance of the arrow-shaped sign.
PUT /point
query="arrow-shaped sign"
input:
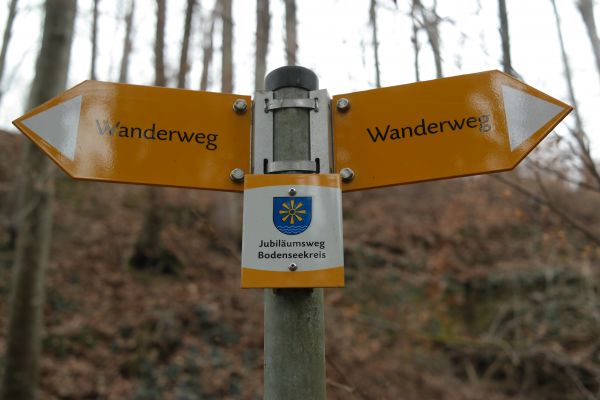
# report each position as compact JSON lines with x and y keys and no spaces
{"x":141,"y":134}
{"x":465,"y":125}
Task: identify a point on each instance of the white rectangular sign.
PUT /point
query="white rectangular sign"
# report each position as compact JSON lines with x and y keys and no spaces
{"x":292,"y":232}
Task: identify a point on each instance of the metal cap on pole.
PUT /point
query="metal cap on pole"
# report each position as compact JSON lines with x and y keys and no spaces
{"x":291,"y":76}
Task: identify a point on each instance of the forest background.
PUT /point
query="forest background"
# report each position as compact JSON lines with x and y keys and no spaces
{"x":481,"y":287}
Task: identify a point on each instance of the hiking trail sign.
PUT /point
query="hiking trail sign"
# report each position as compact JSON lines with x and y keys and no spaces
{"x":142,"y":134}
{"x":292,"y":234}
{"x":450,"y":127}
{"x":292,"y":231}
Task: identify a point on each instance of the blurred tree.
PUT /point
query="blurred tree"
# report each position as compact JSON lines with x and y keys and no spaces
{"x":373,"y":22}
{"x":430,"y":21}
{"x":159,"y":44}
{"x":12,"y":13}
{"x":291,"y":36}
{"x":227,"y":47}
{"x":184,"y":65}
{"x":127,"y":43}
{"x":10,"y":19}
{"x":94,"y":40}
{"x":263,"y":22}
{"x":149,"y":251}
{"x":583,"y":152}
{"x":505,"y":38}
{"x":415,"y":39}
{"x":208,"y":46}
{"x":586,"y":9}
{"x":35,"y":197}
{"x":227,"y":214}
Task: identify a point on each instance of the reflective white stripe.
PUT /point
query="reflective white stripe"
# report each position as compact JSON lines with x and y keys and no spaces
{"x":58,"y":126}
{"x":525,"y":114}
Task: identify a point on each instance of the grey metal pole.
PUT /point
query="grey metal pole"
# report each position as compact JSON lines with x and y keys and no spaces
{"x":294,"y":337}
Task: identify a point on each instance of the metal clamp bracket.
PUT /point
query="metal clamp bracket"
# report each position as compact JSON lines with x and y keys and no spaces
{"x":312,"y":104}
{"x":292,"y":166}
{"x":320,"y":134}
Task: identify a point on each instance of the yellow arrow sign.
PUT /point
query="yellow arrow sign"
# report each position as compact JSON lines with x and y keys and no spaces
{"x":465,"y":125}
{"x":140,"y":134}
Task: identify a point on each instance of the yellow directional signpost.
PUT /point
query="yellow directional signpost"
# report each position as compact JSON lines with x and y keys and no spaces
{"x":150,"y":135}
{"x":292,"y":236}
{"x":465,"y":125}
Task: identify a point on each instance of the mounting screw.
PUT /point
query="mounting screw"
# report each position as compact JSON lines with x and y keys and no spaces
{"x":343,"y":104}
{"x":292,"y":192}
{"x":237,"y":175}
{"x":347,"y":174}
{"x":240,"y":106}
{"x":293,"y":267}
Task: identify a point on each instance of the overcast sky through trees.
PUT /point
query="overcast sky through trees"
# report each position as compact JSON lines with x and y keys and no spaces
{"x":334,"y":41}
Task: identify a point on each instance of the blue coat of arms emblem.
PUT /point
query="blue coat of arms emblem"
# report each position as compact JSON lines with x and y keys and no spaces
{"x":292,"y":215}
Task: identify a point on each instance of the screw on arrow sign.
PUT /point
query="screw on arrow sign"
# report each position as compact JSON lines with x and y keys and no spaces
{"x":465,"y":125}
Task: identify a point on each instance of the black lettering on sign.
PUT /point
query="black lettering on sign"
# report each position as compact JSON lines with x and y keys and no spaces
{"x":106,"y":128}
{"x":154,"y":132}
{"x":379,"y":135}
{"x":425,"y":128}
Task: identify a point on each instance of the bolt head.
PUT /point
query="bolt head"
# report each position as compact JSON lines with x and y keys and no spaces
{"x":343,"y":104}
{"x":293,"y":267}
{"x":240,"y":106}
{"x":292,"y":191}
{"x":237,"y":175}
{"x":347,"y":174}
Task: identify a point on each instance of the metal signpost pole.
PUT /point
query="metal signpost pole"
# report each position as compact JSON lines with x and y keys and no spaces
{"x":294,"y":336}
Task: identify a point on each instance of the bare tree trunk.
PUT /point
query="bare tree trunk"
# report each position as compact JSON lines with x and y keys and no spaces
{"x":581,"y":138}
{"x":227,"y":47}
{"x":12,"y":13}
{"x":567,"y":71}
{"x":415,"y":40}
{"x":373,"y":22}
{"x":184,"y":66}
{"x":94,"y":40}
{"x":227,"y":214}
{"x":586,"y":9}
{"x":159,"y":44}
{"x":127,"y":43}
{"x":431,"y":22}
{"x":149,"y":252}
{"x":291,"y":36}
{"x":207,"y":48}
{"x":505,"y":37}
{"x":434,"y":40}
{"x":263,"y":22}
{"x":35,"y":218}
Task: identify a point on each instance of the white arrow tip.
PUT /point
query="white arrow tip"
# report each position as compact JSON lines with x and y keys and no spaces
{"x":58,"y":126}
{"x":525,"y":114}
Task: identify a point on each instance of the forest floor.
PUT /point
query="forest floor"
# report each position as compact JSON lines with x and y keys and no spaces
{"x":457,"y":289}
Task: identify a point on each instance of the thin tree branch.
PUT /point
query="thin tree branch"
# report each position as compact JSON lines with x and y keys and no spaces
{"x":563,"y":177}
{"x":558,"y":211}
